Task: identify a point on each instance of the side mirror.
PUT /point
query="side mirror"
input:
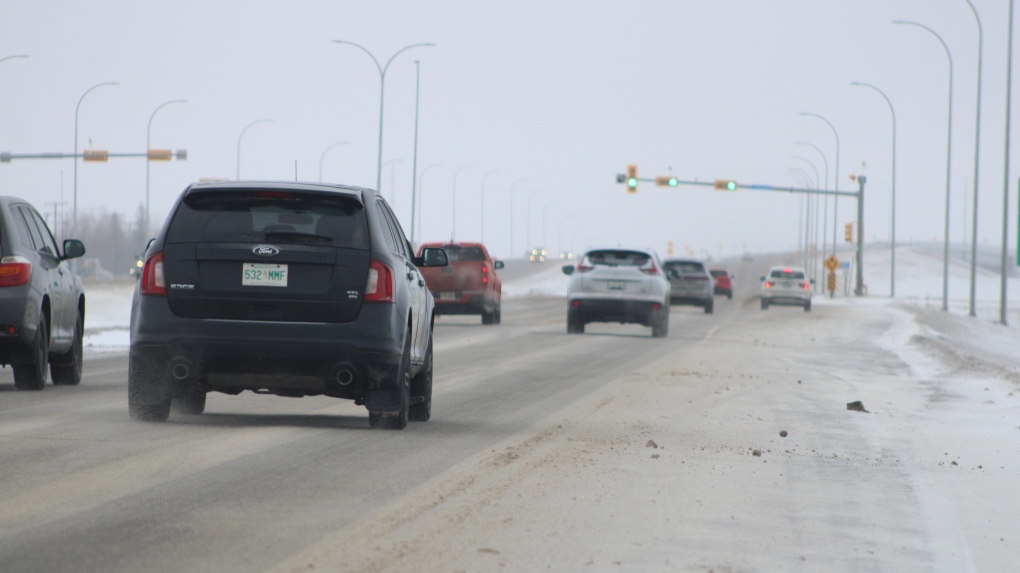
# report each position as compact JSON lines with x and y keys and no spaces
{"x":73,"y":248}
{"x":433,"y":257}
{"x":763,"y":278}
{"x":812,"y":281}
{"x":568,"y":269}
{"x":497,"y":265}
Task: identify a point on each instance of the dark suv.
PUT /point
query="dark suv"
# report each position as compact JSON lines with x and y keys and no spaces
{"x":290,"y":289}
{"x":42,"y":303}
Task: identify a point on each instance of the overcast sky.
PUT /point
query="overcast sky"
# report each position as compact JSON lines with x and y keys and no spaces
{"x":561,"y":94}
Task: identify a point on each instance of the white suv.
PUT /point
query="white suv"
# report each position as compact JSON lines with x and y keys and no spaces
{"x":786,"y":285}
{"x":618,"y":284}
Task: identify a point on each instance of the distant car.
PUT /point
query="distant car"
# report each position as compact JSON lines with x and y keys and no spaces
{"x":786,"y":285}
{"x":618,"y":284}
{"x":283,"y":288}
{"x":566,"y":255}
{"x":469,"y":285}
{"x":42,"y":302}
{"x":690,"y":283}
{"x":538,"y":255}
{"x":723,"y":281}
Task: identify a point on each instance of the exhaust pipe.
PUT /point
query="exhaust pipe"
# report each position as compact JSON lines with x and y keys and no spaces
{"x":345,"y":374}
{"x":181,"y":368}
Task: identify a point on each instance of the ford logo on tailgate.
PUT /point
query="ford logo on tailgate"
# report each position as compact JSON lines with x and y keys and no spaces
{"x":266,"y":250}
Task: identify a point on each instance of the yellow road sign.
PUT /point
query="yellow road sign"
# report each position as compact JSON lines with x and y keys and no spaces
{"x":832,"y":281}
{"x":831,"y":262}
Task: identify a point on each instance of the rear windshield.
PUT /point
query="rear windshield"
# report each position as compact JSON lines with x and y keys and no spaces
{"x":786,"y":274}
{"x":455,"y":253}
{"x":614,"y":258}
{"x":685,"y":266}
{"x":718,"y":272}
{"x":280,"y":217}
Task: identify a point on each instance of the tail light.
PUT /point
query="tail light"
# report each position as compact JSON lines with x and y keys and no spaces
{"x":806,"y":286}
{"x":380,"y":283}
{"x":656,"y":306}
{"x":584,"y":266}
{"x":649,"y":268}
{"x":769,"y":284}
{"x":485,"y":275}
{"x":15,"y":271}
{"x":153,"y":280}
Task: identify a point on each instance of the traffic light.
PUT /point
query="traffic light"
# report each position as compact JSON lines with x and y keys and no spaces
{"x":725,"y":185}
{"x":632,"y":179}
{"x":667,"y":181}
{"x":848,"y":232}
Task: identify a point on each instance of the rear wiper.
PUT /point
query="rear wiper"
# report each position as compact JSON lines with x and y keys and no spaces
{"x":298,"y":235}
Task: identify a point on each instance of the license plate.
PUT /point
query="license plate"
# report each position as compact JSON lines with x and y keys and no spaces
{"x":448,"y":295}
{"x":617,"y":285}
{"x":787,"y":284}
{"x":261,"y":274}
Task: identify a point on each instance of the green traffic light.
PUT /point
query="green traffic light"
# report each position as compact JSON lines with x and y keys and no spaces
{"x":732,"y":185}
{"x":673,"y":182}
{"x":632,"y":182}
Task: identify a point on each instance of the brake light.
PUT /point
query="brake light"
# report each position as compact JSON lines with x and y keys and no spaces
{"x":583,"y":268}
{"x":380,"y":283}
{"x":153,"y":281}
{"x":649,"y":268}
{"x":485,"y":275}
{"x":787,"y":270}
{"x":768,"y":284}
{"x":273,"y":194}
{"x":15,"y":271}
{"x":806,"y":286}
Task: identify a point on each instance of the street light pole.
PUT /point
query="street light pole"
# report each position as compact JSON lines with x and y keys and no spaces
{"x":482,"y":219}
{"x":892,"y":242}
{"x":421,"y":184}
{"x":949,"y":155}
{"x":835,"y":200}
{"x":148,"y":146}
{"x":414,"y":160}
{"x":239,"y":137}
{"x":323,"y":156}
{"x":1005,"y":173}
{"x":74,"y":225}
{"x":814,"y":200}
{"x":453,"y":226}
{"x":512,"y":189}
{"x":382,"y":92}
{"x":977,"y":147}
{"x":393,"y":180}
{"x":825,"y":217}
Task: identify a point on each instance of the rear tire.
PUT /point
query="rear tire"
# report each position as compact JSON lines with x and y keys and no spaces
{"x":488,"y":317}
{"x":66,"y":369}
{"x":145,"y":412}
{"x":729,"y":295}
{"x":764,"y":304}
{"x":575,"y":324}
{"x":499,"y":314}
{"x":710,"y":307}
{"x":807,"y":306}
{"x":421,"y":390}
{"x":399,"y":421}
{"x":32,"y":376}
{"x":660,"y":328}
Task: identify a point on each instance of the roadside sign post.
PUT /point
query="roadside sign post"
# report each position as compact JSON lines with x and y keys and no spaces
{"x":831,"y":264}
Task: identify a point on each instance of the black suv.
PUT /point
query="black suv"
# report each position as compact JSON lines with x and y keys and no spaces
{"x":290,"y":289}
{"x":42,"y":303}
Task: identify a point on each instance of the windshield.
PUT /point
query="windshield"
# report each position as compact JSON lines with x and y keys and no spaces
{"x":456,"y":253}
{"x":685,"y":266}
{"x":786,"y":274}
{"x":281,"y":217}
{"x":613,"y":258}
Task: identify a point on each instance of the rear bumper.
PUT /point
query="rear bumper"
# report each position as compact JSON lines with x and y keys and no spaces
{"x":696,"y":300}
{"x":468,"y":302}
{"x":615,"y":310}
{"x":292,"y":359}
{"x":794,"y":299}
{"x":16,"y":311}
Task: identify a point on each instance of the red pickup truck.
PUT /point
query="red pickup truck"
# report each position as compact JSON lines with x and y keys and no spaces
{"x":469,"y":284}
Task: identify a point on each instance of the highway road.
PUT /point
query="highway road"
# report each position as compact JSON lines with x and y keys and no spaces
{"x":269,"y":483}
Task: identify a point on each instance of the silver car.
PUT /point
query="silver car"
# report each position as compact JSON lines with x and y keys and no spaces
{"x":691,"y":283}
{"x":786,"y":285}
{"x":618,"y":284}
